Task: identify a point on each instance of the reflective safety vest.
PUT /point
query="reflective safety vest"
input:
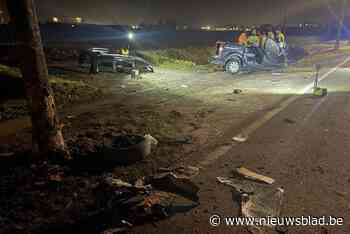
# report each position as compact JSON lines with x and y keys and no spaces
{"x":281,"y":39}
{"x":271,"y":35}
{"x":125,"y":51}
{"x":254,"y":40}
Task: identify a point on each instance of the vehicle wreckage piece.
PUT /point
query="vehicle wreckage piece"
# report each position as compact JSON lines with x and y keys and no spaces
{"x":256,"y":201}
{"x":175,"y":183}
{"x":254,"y":176}
{"x":144,"y":201}
{"x":235,"y":58}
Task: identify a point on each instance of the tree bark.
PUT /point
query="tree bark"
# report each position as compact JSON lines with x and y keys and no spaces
{"x":46,"y":128}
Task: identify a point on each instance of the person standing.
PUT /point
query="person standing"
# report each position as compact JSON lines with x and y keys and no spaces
{"x":262,"y":40}
{"x":271,"y":35}
{"x":253,"y":39}
{"x":281,"y":39}
{"x":243,"y":39}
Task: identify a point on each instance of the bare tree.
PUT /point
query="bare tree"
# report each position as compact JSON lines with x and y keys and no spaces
{"x":46,"y":128}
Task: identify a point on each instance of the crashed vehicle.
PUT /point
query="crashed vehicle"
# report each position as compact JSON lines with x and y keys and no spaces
{"x":118,"y":62}
{"x":235,"y":58}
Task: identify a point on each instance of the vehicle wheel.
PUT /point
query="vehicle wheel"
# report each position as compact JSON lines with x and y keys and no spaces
{"x":233,"y":66}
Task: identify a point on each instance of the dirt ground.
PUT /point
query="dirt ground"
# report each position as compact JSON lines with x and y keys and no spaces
{"x":203,"y":106}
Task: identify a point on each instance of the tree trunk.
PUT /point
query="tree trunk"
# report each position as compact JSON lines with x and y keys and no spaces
{"x":46,"y":129}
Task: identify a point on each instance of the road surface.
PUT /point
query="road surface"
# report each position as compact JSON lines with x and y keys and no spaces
{"x":305,"y":148}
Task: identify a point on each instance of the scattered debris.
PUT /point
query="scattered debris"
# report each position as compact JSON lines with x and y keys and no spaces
{"x":126,"y":223}
{"x":240,"y":138}
{"x":254,"y":176}
{"x":150,"y":199}
{"x":237,"y":91}
{"x":266,"y":204}
{"x":171,"y":182}
{"x":179,"y":140}
{"x":150,"y":142}
{"x":188,"y":171}
{"x":184,"y":86}
{"x":126,"y":149}
{"x":113,"y":182}
{"x":342,"y":194}
{"x":115,"y":231}
{"x":140,"y":183}
{"x":289,"y":121}
{"x":256,"y":200}
{"x":237,"y":184}
{"x":135,"y":73}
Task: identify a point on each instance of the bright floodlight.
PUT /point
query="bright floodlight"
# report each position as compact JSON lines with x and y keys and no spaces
{"x":130,"y":35}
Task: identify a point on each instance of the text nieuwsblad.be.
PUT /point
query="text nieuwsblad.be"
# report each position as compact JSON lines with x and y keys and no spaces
{"x":285,"y":221}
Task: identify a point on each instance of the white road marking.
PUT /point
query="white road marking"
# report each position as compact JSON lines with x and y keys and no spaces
{"x":267,"y":117}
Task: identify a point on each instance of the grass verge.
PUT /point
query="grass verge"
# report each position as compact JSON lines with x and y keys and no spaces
{"x":12,"y":93}
{"x":179,"y":58}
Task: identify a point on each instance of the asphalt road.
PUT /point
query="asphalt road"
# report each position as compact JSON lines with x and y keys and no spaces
{"x":305,"y":148}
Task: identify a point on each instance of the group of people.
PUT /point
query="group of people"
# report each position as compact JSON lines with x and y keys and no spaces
{"x":259,"y":39}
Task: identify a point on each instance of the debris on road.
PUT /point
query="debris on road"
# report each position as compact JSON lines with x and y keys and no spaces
{"x":117,"y":183}
{"x":135,"y":73}
{"x":188,"y":171}
{"x":126,"y":149}
{"x":179,"y":140}
{"x":240,"y":138}
{"x":175,"y":183}
{"x":267,"y":204}
{"x":150,"y":142}
{"x":151,"y":198}
{"x":289,"y":121}
{"x":256,"y":200}
{"x":254,"y":176}
{"x":237,"y":91}
{"x":115,"y":231}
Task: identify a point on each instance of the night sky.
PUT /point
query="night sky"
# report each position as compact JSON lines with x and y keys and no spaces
{"x":195,"y":12}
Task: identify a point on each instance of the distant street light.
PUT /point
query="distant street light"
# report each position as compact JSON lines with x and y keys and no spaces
{"x":130,"y":36}
{"x":55,"y":19}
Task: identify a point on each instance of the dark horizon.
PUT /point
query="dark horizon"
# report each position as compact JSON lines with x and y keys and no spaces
{"x":192,"y":12}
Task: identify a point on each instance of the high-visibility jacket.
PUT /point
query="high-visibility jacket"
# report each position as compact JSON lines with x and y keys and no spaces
{"x":281,"y":39}
{"x":271,"y":35}
{"x":254,"y":40}
{"x":242,"y":39}
{"x":125,"y":51}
